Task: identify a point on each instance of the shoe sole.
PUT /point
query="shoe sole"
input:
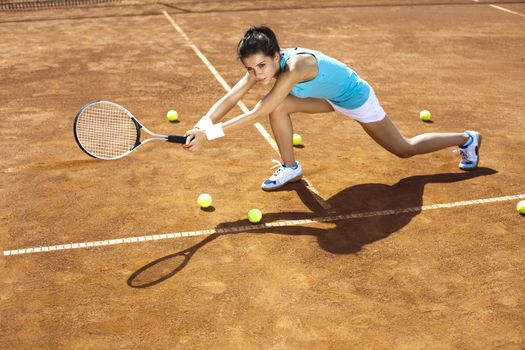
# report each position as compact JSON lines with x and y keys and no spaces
{"x":295,"y":179}
{"x":477,"y":153}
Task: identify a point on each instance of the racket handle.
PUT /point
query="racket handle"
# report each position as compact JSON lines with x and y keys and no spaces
{"x":177,"y":139}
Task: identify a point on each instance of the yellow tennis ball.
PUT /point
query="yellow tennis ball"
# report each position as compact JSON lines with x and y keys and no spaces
{"x":424,"y":115}
{"x":204,"y":200}
{"x":172,"y":115}
{"x":521,"y":207}
{"x":297,"y":139}
{"x":254,"y":216}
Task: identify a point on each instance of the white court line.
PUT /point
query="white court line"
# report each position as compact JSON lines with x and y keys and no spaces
{"x":85,"y":245}
{"x":503,"y":9}
{"x":219,"y":78}
{"x":322,"y":202}
{"x":507,"y":10}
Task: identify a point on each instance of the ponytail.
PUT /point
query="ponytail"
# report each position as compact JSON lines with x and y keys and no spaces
{"x":258,"y":39}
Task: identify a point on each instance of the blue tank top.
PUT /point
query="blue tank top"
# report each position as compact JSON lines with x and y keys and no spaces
{"x":335,"y":81}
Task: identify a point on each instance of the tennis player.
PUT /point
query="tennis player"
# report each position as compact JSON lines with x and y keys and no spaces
{"x":308,"y":81}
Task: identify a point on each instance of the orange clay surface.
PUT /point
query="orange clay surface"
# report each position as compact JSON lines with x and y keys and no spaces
{"x":442,"y":278}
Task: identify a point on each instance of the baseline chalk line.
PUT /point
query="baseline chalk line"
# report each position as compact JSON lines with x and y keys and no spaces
{"x":253,"y":227}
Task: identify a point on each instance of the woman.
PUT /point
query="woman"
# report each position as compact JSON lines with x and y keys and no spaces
{"x":308,"y":81}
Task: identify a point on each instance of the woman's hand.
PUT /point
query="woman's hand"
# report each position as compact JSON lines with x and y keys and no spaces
{"x":196,"y":138}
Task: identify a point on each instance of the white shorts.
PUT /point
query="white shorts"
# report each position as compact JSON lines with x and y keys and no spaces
{"x":371,"y":111}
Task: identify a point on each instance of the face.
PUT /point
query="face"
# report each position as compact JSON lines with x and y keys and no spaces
{"x":262,"y":67}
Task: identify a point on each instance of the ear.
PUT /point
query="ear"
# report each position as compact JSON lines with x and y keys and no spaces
{"x":277,"y":57}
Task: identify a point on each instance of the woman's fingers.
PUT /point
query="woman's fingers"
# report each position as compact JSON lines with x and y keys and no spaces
{"x":189,"y":139}
{"x":189,"y":142}
{"x":193,"y":139}
{"x":192,"y":143}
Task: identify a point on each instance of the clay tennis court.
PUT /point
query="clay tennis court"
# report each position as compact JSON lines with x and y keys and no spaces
{"x":370,"y":251}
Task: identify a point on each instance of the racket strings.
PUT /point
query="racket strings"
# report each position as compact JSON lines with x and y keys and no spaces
{"x":106,"y":131}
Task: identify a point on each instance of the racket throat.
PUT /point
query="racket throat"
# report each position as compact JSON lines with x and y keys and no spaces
{"x":139,"y":126}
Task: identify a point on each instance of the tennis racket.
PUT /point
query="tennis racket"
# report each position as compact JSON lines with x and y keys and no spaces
{"x":106,"y":130}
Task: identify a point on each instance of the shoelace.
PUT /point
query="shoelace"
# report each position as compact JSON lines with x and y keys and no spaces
{"x":277,"y":164}
{"x":462,"y":152}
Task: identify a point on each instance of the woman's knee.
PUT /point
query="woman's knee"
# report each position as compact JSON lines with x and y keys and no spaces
{"x":404,"y":150}
{"x":279,"y":111}
{"x":403,"y":153}
{"x":283,"y":109}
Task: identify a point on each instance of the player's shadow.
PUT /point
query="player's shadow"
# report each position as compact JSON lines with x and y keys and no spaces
{"x":347,"y":237}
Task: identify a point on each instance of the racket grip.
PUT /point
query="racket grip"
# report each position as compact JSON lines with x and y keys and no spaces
{"x":177,"y":139}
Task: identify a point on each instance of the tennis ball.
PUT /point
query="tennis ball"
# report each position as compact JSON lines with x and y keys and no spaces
{"x":521,"y":207}
{"x":297,"y":139}
{"x":204,"y":200}
{"x":254,"y":216}
{"x":172,"y":115}
{"x":424,"y":115}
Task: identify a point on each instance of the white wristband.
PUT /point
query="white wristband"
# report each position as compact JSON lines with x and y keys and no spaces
{"x":214,"y":132}
{"x":204,"y":123}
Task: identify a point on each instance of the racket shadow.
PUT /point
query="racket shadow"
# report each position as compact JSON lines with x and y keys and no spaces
{"x":166,"y":267}
{"x":347,"y":237}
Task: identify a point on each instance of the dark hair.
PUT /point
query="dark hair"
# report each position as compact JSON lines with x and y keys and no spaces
{"x":258,"y":39}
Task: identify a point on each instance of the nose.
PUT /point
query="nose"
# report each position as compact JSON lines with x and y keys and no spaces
{"x":258,"y":72}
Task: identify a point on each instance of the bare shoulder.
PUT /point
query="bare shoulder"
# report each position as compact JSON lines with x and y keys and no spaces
{"x":303,"y":65}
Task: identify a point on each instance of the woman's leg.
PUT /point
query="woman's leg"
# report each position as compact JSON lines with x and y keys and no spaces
{"x":386,"y":134}
{"x":281,"y":122}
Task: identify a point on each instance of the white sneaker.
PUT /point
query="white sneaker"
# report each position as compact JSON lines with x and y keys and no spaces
{"x":470,"y":151}
{"x":282,"y":176}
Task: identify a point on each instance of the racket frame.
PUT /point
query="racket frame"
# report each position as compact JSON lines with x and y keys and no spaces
{"x":138,"y":125}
